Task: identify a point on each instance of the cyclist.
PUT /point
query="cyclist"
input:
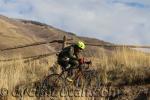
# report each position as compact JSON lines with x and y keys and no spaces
{"x":70,"y":57}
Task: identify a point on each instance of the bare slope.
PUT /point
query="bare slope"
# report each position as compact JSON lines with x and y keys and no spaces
{"x":14,"y":32}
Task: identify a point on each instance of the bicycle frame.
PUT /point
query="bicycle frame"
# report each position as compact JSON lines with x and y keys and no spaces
{"x":79,"y":72}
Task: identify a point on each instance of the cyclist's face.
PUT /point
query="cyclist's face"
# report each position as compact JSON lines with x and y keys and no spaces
{"x":78,"y":50}
{"x":81,"y":50}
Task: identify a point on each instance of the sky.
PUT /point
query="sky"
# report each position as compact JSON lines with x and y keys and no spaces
{"x":116,"y":21}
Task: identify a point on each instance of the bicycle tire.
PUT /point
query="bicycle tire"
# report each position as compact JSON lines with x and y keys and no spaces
{"x":80,"y":82}
{"x":92,"y":79}
{"x":54,"y":82}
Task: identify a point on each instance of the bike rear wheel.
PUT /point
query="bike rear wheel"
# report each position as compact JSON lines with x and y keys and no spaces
{"x":54,"y":83}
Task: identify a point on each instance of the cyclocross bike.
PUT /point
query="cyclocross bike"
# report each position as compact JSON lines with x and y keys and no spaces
{"x":83,"y":77}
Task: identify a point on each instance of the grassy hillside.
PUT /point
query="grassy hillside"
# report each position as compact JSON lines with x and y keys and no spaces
{"x":15,"y":32}
{"x":125,"y":70}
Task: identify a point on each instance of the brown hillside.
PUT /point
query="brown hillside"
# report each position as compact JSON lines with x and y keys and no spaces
{"x":15,"y":32}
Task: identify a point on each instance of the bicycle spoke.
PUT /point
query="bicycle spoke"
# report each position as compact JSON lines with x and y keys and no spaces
{"x":53,"y":83}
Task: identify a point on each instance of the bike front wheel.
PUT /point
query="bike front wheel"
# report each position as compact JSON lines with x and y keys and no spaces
{"x":80,"y":82}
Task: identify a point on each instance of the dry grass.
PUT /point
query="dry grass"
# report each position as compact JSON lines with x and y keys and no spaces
{"x":14,"y":73}
{"x":10,"y":34}
{"x":122,"y":67}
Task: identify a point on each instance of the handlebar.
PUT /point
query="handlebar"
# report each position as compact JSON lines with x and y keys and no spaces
{"x":88,"y":63}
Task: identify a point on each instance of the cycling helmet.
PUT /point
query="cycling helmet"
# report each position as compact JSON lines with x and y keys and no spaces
{"x":81,"y":45}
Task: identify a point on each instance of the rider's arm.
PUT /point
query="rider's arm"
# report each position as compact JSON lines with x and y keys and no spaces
{"x":71,"y":54}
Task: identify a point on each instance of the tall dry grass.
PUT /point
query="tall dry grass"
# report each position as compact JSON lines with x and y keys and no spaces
{"x":123,"y":66}
{"x":17,"y":72}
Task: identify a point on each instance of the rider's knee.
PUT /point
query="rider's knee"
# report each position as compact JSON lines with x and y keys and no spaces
{"x":76,"y":63}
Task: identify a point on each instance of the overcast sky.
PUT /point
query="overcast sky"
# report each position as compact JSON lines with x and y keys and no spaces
{"x":117,"y":21}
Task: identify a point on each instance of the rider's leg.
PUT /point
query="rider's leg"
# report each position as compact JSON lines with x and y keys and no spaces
{"x":74,"y":64}
{"x":64,"y":66}
{"x":63,"y":63}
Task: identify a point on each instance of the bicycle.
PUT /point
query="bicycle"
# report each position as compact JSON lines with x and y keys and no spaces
{"x":55,"y":83}
{"x":83,"y":78}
